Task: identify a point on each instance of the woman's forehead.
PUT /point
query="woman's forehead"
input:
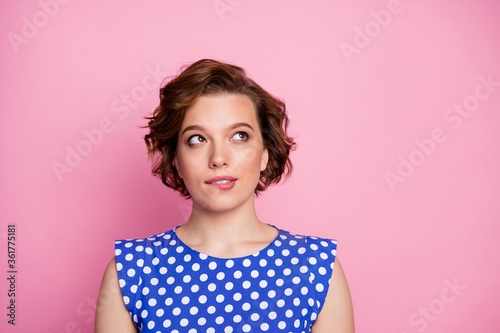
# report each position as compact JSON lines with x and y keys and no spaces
{"x":218,"y":111}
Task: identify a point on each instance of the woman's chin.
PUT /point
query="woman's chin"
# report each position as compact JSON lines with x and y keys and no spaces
{"x":218,"y":205}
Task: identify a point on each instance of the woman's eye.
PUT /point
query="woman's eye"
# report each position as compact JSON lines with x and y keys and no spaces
{"x":241,"y":136}
{"x":195,"y":139}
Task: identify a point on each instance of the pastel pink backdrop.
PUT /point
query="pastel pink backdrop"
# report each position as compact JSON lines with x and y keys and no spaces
{"x":363,"y":82}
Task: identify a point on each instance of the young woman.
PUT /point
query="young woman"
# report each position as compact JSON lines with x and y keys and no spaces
{"x":220,"y":139}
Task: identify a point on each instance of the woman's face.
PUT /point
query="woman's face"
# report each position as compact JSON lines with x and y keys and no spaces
{"x":220,"y":137}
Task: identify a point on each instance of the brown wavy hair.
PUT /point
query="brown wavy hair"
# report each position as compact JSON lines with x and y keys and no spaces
{"x":211,"y":77}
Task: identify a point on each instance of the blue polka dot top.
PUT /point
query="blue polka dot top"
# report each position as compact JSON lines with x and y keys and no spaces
{"x":169,"y":287}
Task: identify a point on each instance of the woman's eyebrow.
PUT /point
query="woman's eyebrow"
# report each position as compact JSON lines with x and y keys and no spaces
{"x":230,"y":127}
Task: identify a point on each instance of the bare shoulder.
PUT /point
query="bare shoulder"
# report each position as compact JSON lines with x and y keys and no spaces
{"x":111,"y":313}
{"x":337,"y":313}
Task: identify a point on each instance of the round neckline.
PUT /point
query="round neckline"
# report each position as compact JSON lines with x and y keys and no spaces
{"x":207,"y":256}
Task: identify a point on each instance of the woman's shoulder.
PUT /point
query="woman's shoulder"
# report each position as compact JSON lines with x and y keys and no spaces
{"x":155,"y":239}
{"x":318,"y":252}
{"x":314,"y":242}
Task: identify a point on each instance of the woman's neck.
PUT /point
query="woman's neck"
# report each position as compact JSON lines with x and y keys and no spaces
{"x":233,"y":233}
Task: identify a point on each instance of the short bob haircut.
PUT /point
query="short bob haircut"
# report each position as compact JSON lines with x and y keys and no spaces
{"x":211,"y":77}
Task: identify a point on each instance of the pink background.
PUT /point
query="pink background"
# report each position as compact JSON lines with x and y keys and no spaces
{"x":366,"y":85}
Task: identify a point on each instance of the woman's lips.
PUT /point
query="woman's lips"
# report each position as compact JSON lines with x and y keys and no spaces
{"x":220,"y":179}
{"x":222,"y":182}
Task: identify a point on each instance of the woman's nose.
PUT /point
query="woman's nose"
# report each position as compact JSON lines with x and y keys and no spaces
{"x":219,"y":156}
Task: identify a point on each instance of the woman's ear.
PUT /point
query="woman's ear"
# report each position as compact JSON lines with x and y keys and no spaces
{"x":264,"y":160}
{"x":176,"y":165}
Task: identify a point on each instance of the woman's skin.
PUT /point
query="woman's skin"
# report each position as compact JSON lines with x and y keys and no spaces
{"x":220,"y":136}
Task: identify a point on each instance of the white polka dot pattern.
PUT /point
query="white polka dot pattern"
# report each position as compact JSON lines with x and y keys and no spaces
{"x":169,"y":287}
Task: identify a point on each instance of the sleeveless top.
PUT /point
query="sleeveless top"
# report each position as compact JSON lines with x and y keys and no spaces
{"x":169,"y":287}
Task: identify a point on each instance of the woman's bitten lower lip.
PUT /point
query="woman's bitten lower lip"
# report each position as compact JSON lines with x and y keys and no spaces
{"x":224,"y":186}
